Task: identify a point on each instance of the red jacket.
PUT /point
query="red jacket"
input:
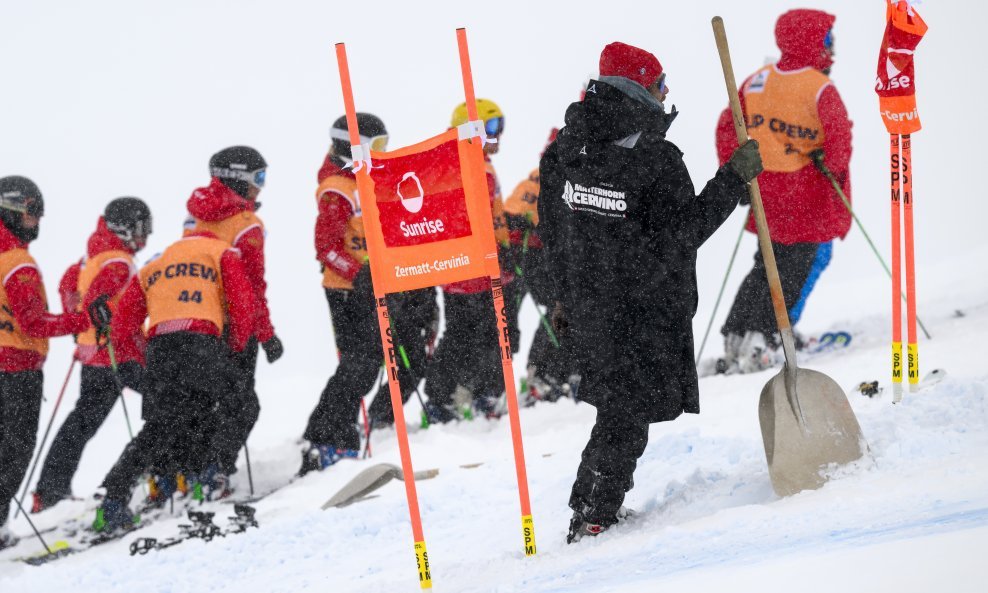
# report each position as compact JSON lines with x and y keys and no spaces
{"x":802,"y":206}
{"x":238,"y":291}
{"x":110,"y":281}
{"x":217,"y":202}
{"x":331,"y":227}
{"x":29,"y":309}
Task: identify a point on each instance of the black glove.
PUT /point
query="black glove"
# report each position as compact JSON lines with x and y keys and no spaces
{"x":273,"y":349}
{"x":558,"y":318}
{"x":816,"y":155}
{"x":746,"y":161}
{"x":100,"y":315}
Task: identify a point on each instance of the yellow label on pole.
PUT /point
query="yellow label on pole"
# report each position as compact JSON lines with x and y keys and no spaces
{"x":528,"y":533}
{"x":912,"y":353}
{"x":422,"y":560}
{"x":897,"y":362}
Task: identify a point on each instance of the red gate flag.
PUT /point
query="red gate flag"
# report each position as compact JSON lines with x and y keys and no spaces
{"x":429,"y":215}
{"x":896,"y":82}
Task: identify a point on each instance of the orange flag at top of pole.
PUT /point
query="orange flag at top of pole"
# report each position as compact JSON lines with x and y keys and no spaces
{"x":429,"y":221}
{"x":896,"y":80}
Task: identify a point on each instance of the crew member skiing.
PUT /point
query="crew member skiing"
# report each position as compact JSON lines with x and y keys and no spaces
{"x":466,"y":367}
{"x":341,"y":250}
{"x":622,"y":224}
{"x":227,"y":208}
{"x":25,"y":326}
{"x":195,"y":293}
{"x":548,"y":372}
{"x":794,"y":111}
{"x":109,"y":265}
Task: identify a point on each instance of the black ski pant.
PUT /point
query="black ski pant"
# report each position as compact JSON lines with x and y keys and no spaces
{"x":752,"y":309}
{"x":608,"y":464}
{"x":358,"y":344}
{"x":414,"y":315}
{"x":98,"y":392}
{"x":238,"y":411}
{"x":546,"y":353}
{"x":20,"y":404}
{"x":468,"y":353}
{"x":188,"y":374}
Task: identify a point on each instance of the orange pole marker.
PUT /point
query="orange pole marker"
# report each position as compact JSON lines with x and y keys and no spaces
{"x":912,"y":349}
{"x":896,"y":189}
{"x":508,"y":372}
{"x":366,"y":188}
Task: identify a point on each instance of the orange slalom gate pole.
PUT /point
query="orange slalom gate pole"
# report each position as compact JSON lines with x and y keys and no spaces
{"x":896,"y":190}
{"x":504,"y":341}
{"x":912,"y":349}
{"x":366,"y":188}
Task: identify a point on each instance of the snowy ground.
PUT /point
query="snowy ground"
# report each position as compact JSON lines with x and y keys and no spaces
{"x":912,"y":517}
{"x":121,"y":98}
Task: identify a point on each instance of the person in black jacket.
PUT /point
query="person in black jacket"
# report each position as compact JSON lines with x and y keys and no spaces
{"x":622,"y":224}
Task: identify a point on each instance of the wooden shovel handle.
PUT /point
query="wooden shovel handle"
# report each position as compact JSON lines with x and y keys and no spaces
{"x":764,"y":239}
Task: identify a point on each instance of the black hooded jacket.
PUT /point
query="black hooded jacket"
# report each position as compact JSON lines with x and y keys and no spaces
{"x":622,"y":224}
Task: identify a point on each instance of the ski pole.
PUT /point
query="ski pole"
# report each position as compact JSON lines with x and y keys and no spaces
{"x":896,"y":193}
{"x":847,"y":203}
{"x":542,"y":318}
{"x":120,"y":385}
{"x":912,"y":348}
{"x":44,"y":439}
{"x":20,"y":509}
{"x":250,"y":474}
{"x":723,"y":285}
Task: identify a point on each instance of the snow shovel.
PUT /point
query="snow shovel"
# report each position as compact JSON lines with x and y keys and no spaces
{"x":369,"y":480}
{"x":807,"y":423}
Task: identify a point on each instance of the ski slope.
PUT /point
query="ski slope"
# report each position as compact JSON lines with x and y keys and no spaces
{"x":121,"y":98}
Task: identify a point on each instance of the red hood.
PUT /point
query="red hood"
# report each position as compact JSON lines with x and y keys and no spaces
{"x":329,"y":168}
{"x":799,"y":34}
{"x":103,"y":239}
{"x":8,"y":241}
{"x":216,"y":202}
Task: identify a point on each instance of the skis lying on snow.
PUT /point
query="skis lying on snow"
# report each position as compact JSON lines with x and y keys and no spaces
{"x":91,"y":539}
{"x":874,"y":389}
{"x":201,"y":526}
{"x":812,"y":346}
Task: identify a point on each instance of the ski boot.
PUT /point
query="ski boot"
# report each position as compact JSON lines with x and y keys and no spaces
{"x":41,"y":501}
{"x":113,"y":515}
{"x":7,"y":538}
{"x":490,"y":405}
{"x":319,"y":457}
{"x":579,"y":526}
{"x":755,"y":353}
{"x":215,"y":484}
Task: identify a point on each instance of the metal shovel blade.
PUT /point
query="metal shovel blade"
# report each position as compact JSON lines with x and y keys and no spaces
{"x":798,"y":453}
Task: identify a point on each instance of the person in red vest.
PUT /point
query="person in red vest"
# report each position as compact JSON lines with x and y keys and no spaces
{"x":465,"y":374}
{"x":341,"y":249}
{"x":25,"y":326}
{"x":794,"y":111}
{"x":199,"y":303}
{"x":109,"y":265}
{"x":227,"y":208}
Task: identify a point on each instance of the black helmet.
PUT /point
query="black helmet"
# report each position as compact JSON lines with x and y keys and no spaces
{"x":19,"y":196}
{"x":371,"y":130}
{"x":238,"y":168}
{"x":130,"y":220}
